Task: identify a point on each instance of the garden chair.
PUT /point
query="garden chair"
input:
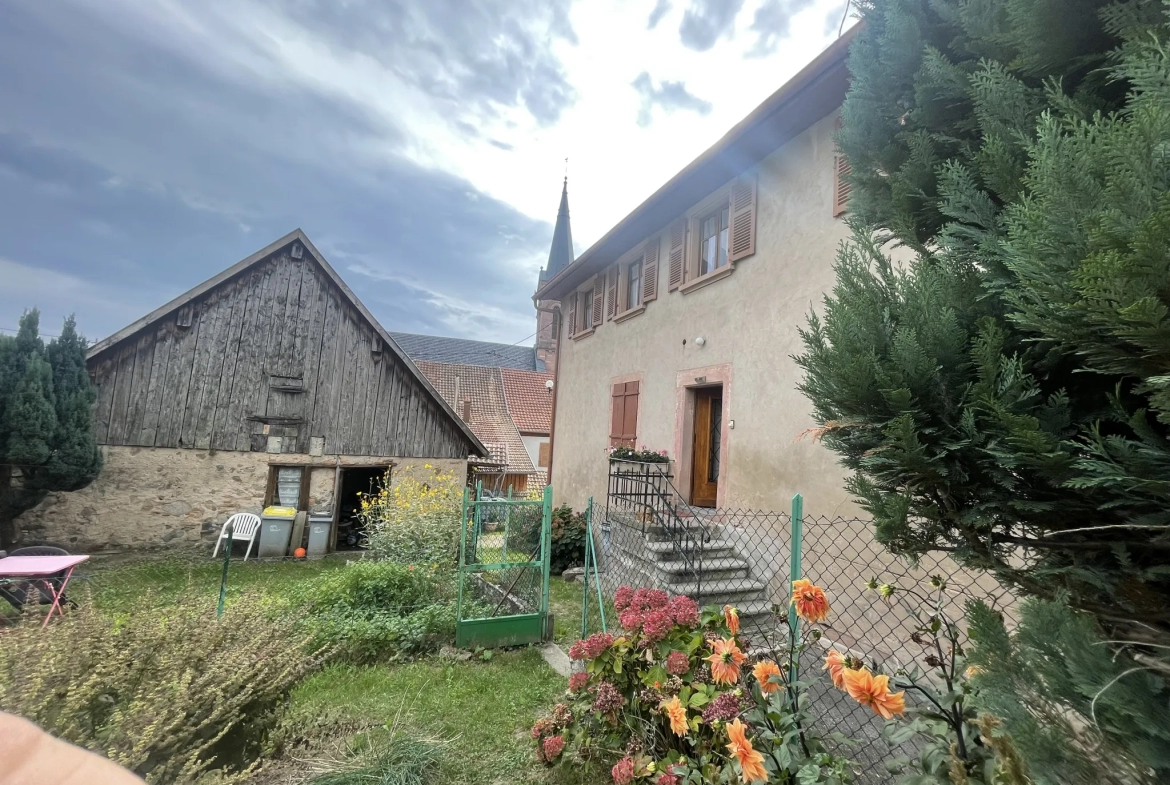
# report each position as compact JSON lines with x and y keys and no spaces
{"x":20,"y":593}
{"x":245,"y":526}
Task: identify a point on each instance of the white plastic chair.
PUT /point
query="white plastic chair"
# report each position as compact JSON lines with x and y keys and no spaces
{"x":245,"y":526}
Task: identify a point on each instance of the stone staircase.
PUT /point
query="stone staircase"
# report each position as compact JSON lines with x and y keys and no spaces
{"x":709,"y":570}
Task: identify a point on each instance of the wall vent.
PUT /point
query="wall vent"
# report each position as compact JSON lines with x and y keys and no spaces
{"x":297,"y":251}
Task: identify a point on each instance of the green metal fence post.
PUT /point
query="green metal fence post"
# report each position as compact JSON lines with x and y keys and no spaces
{"x":596,"y":579}
{"x":507,"y":525}
{"x":227,"y":557}
{"x":585,"y":577}
{"x":546,"y":548}
{"x":794,"y":570}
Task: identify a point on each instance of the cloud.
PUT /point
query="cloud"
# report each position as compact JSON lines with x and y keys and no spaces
{"x":706,"y":21}
{"x":661,"y":9}
{"x":671,"y":96}
{"x":772,"y":23}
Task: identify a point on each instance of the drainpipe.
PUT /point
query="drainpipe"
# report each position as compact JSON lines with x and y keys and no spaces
{"x":552,"y":426}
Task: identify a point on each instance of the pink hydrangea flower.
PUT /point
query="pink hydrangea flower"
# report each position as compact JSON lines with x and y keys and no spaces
{"x":631,"y":619}
{"x":596,"y":644}
{"x":677,"y":663}
{"x":668,"y":777}
{"x":684,"y":610}
{"x":622,"y":598}
{"x":656,"y":625}
{"x":607,"y":699}
{"x":623,"y":771}
{"x":577,"y":651}
{"x":578,"y":681}
{"x":553,"y":747}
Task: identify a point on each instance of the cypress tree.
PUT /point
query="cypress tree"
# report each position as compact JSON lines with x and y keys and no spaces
{"x":1002,"y":390}
{"x":46,"y":435}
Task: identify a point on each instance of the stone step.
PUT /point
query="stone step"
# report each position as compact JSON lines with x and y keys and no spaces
{"x":726,"y":591}
{"x":713,"y":569}
{"x":665,"y":550}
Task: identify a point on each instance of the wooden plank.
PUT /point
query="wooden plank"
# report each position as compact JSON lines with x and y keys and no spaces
{"x":289,"y":361}
{"x":139,"y":386}
{"x":253,"y":381}
{"x":410,"y":447}
{"x":343,"y":412}
{"x":232,"y":430}
{"x":174,"y":394}
{"x":106,"y":378}
{"x":401,"y":440}
{"x":118,"y":412}
{"x":314,"y":313}
{"x":328,"y":382}
{"x":364,"y":427}
{"x":231,"y":309}
{"x":379,"y":438}
{"x":211,"y":322}
{"x":223,"y":428}
{"x":148,"y":430}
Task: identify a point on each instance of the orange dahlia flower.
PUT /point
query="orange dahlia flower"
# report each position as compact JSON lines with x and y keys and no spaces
{"x":763,"y":671}
{"x":751,"y":762}
{"x":731,"y":616}
{"x":725,"y":661}
{"x":677,"y":714}
{"x":874,"y":691}
{"x":835,"y":665}
{"x":809,"y":600}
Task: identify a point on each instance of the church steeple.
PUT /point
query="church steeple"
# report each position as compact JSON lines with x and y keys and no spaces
{"x":561,"y":254}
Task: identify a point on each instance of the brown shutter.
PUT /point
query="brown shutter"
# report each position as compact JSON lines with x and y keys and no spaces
{"x":841,"y":185}
{"x":630,"y":427}
{"x":542,"y":456}
{"x":650,"y":270}
{"x":611,"y":294}
{"x":572,"y":314}
{"x":678,"y":236}
{"x":743,"y":218}
{"x":598,"y":300}
{"x":617,"y":414}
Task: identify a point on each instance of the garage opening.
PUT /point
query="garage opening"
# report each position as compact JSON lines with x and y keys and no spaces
{"x":355,"y":480}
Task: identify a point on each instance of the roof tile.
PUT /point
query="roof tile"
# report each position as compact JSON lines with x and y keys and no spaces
{"x":528,"y":399}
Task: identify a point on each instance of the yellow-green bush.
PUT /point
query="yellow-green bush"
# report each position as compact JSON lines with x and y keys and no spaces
{"x":415,"y":520}
{"x":168,"y":692}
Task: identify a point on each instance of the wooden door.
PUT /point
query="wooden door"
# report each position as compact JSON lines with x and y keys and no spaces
{"x":706,"y":447}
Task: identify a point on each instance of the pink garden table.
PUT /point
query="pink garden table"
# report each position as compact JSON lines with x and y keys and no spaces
{"x":42,"y":569}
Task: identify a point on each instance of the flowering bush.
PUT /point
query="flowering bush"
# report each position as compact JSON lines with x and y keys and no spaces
{"x":641,"y":455}
{"x":416,"y":519}
{"x":677,"y":696}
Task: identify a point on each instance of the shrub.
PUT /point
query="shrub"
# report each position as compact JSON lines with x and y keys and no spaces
{"x":569,"y":531}
{"x":668,"y":698}
{"x":167,"y":693}
{"x":372,"y":610}
{"x":416,"y":520}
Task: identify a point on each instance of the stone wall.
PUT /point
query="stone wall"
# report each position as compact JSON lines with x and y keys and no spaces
{"x":149,"y":498}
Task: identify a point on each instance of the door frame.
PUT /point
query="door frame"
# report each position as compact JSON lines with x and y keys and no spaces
{"x":686,"y":383}
{"x":701,"y":443}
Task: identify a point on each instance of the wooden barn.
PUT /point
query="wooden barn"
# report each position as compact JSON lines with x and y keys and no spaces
{"x":268,"y":384}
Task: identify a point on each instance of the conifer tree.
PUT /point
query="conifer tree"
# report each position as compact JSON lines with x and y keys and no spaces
{"x":46,"y":434}
{"x":1002,"y":391}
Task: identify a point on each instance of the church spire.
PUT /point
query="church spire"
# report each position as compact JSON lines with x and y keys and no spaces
{"x":561,"y":254}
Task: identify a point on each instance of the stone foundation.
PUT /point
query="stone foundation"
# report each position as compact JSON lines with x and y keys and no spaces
{"x":149,"y":498}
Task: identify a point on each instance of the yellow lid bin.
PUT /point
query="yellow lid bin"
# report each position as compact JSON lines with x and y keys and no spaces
{"x":275,"y":530}
{"x":279,"y":512}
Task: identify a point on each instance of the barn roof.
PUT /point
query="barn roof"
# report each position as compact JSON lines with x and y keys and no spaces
{"x":463,"y":351}
{"x":245,"y":264}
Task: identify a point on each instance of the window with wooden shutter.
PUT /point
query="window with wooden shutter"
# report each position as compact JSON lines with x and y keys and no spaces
{"x":650,"y":270}
{"x":598,"y":301}
{"x":678,"y":236}
{"x":623,"y":420}
{"x":743,"y":218}
{"x":841,"y":184}
{"x":572,"y":314}
{"x":611,"y":292}
{"x":542,"y":456}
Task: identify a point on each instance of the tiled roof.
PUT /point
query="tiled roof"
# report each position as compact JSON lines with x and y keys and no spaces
{"x":460,"y":351}
{"x":490,"y":420}
{"x":528,"y":399}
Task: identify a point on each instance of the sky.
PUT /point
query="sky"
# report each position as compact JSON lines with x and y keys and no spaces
{"x":146,"y":145}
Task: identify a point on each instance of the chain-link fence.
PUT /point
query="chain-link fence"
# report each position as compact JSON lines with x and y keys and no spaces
{"x":745,"y":558}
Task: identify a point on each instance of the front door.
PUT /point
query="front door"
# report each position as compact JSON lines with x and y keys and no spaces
{"x":705,"y":463}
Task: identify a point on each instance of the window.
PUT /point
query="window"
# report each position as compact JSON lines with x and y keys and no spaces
{"x":286,"y":487}
{"x":587,"y":309}
{"x":556,"y":325}
{"x":542,"y":455}
{"x":633,"y":292}
{"x":713,"y":229}
{"x":623,"y":420}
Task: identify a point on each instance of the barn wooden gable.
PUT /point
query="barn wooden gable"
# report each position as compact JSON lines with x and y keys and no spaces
{"x":274,"y":354}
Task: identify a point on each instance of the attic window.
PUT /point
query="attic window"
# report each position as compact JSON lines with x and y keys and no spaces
{"x":185,"y":316}
{"x":297,"y":251}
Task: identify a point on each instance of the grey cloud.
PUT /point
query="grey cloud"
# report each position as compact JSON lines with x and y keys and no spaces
{"x":772,"y":23}
{"x":501,"y":145}
{"x":706,"y":21}
{"x":671,"y":96}
{"x":661,"y":9}
{"x":126,"y":167}
{"x":467,"y":53}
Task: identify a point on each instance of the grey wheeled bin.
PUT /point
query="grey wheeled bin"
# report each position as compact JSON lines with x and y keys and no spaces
{"x":320,"y":533}
{"x":275,"y":532}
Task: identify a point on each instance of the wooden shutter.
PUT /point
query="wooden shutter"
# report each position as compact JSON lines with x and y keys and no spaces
{"x":611,"y":292}
{"x":623,"y":419}
{"x":542,"y":456}
{"x":598,"y":300}
{"x":743,"y":218}
{"x":678,"y":236}
{"x":650,"y":270}
{"x":841,"y":184}
{"x":572,"y":314}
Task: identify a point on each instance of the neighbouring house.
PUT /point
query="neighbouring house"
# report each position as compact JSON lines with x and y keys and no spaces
{"x":680,"y":323}
{"x":268,"y":384}
{"x":497,"y":390}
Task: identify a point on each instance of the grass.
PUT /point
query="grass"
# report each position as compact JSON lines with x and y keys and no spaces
{"x":485,"y":709}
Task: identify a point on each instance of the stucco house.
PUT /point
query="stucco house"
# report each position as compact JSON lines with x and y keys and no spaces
{"x":270,"y":383}
{"x":678,"y":325}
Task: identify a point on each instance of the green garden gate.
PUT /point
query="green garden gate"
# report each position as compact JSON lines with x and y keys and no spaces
{"x":503,"y":570}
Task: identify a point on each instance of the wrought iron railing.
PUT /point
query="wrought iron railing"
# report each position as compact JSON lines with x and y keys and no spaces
{"x":645,"y":490}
